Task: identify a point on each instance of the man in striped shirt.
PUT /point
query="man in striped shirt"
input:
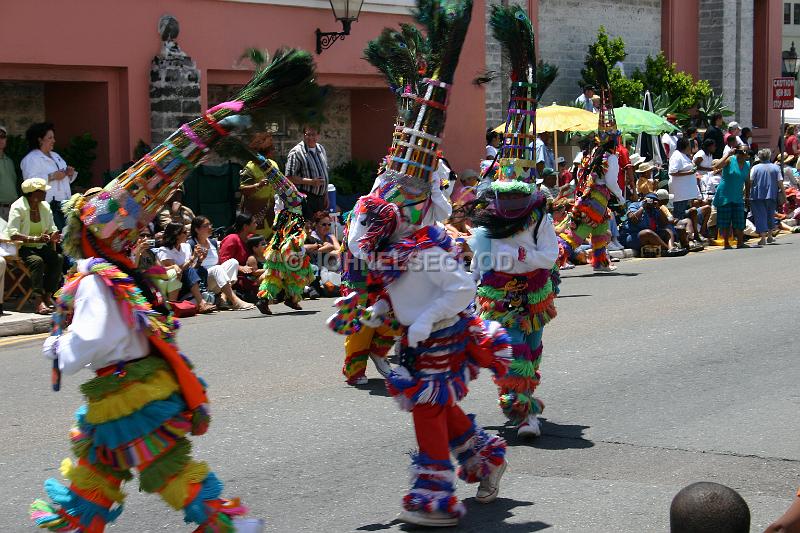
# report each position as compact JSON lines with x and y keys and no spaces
{"x":307,"y":168}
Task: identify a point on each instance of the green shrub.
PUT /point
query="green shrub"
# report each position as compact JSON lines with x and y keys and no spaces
{"x":80,"y":153}
{"x":354,"y":177}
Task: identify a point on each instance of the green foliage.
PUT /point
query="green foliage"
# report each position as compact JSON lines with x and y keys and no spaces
{"x":80,"y":153}
{"x":625,"y":91}
{"x":709,"y":106}
{"x":663,"y":105}
{"x":604,"y":49}
{"x":546,"y":74}
{"x":662,"y":77}
{"x":354,"y":177}
{"x":16,"y":149}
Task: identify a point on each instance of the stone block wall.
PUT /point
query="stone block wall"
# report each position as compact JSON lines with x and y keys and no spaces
{"x":726,"y":53}
{"x":567,"y":27}
{"x":21,"y":104}
{"x":497,"y":89}
{"x":174,"y":94}
{"x":335,"y":133}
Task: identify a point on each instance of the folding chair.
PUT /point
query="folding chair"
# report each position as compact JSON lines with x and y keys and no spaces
{"x":18,"y":277}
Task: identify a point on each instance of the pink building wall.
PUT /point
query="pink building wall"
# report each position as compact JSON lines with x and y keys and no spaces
{"x":113,"y":43}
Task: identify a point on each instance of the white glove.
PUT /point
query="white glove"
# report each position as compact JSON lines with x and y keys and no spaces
{"x":418,"y":332}
{"x":49,"y":348}
{"x":373,"y":315}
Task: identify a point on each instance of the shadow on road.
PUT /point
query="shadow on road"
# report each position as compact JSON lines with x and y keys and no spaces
{"x":554,"y":436}
{"x":604,"y":275}
{"x":286,"y":313}
{"x":375,"y":387}
{"x":479,"y":518}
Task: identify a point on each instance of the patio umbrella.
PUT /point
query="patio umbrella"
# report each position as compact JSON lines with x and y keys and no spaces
{"x":557,"y":118}
{"x":561,"y":118}
{"x":634,"y":120}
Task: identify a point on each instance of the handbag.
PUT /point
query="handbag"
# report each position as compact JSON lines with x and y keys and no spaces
{"x":183,"y":309}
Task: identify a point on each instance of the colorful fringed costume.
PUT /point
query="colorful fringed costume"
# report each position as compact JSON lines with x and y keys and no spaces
{"x":514,"y":243}
{"x":597,"y":180}
{"x":414,"y":266}
{"x":145,"y":399}
{"x":138,"y":413}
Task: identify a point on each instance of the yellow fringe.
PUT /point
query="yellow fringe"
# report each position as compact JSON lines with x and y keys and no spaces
{"x":90,"y":482}
{"x":132,"y":398}
{"x":176,"y":491}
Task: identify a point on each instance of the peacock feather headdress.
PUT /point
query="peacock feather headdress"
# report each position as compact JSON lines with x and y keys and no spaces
{"x":115,"y":215}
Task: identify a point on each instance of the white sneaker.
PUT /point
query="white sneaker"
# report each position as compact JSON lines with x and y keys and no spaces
{"x":530,"y":428}
{"x":490,"y":486}
{"x":359,"y":381}
{"x":433,"y":519}
{"x":615,"y":246}
{"x":381,"y":365}
{"x":248,"y":525}
{"x":602,"y":269}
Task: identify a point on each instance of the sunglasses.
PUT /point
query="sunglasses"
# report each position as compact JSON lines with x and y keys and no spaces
{"x":325,"y":224}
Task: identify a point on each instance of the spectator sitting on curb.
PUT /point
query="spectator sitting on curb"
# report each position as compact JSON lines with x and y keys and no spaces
{"x":549,"y":184}
{"x":256,"y":248}
{"x":145,"y":259}
{"x":648,"y":226}
{"x":220,"y":275}
{"x":707,"y":507}
{"x":177,"y":254}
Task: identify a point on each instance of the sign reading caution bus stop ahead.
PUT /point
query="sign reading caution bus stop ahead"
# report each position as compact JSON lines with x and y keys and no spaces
{"x":783,"y":93}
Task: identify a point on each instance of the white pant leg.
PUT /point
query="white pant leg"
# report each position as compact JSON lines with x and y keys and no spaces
{"x":221,"y":275}
{"x":2,"y":277}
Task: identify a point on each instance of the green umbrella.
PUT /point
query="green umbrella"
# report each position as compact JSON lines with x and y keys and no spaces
{"x":634,"y":120}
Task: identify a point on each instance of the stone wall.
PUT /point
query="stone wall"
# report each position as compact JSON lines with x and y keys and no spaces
{"x":174,"y":92}
{"x":726,"y":53}
{"x":497,"y":89}
{"x":335,"y":134}
{"x":567,"y":27}
{"x":21,"y":104}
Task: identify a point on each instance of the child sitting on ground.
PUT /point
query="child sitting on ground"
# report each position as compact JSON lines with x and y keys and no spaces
{"x":705,"y":507}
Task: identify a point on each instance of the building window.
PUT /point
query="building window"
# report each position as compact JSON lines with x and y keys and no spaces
{"x":787,"y":13}
{"x":797,"y":14}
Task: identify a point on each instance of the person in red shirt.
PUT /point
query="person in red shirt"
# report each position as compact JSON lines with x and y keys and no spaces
{"x":625,"y":178}
{"x":792,"y":144}
{"x":564,"y":175}
{"x":234,"y":246}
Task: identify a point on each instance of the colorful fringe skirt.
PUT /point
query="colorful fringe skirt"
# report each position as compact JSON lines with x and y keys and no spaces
{"x":518,"y":301}
{"x":438,"y":369}
{"x":591,"y":208}
{"x":135,"y":418}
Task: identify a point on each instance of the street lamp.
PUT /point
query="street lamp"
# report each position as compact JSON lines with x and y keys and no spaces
{"x":346,"y":11}
{"x":791,"y":62}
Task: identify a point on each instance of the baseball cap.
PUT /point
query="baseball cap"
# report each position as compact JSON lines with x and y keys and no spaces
{"x":733,"y":125}
{"x":662,"y":195}
{"x":547,"y":171}
{"x":3,"y":130}
{"x":561,"y":160}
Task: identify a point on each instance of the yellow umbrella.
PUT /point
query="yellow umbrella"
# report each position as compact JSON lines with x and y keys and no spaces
{"x":561,"y":118}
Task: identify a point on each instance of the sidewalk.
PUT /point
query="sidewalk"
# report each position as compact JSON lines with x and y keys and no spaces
{"x":25,"y":322}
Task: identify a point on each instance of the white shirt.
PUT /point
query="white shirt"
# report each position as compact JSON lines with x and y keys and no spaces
{"x":682,"y":187}
{"x":611,"y":177}
{"x":706,"y":160}
{"x":491,"y":151}
{"x":212,"y":256}
{"x":179,"y":257}
{"x":584,"y":102}
{"x":98,"y":335}
{"x":505,"y":257}
{"x":37,"y":164}
{"x":670,"y":142}
{"x":432,"y":289}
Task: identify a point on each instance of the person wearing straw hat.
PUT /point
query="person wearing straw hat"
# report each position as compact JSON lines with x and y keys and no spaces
{"x":645,"y":183}
{"x":30,"y":221}
{"x":145,"y":399}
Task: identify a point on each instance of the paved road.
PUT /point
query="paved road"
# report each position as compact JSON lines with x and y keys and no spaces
{"x":669,"y":372}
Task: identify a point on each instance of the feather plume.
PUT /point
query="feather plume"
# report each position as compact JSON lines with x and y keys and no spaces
{"x":512,"y":28}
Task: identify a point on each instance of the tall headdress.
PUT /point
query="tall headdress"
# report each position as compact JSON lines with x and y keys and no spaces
{"x":412,"y":160}
{"x":517,"y":154}
{"x":114,"y":216}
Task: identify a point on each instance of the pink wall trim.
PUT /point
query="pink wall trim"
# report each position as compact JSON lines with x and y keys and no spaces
{"x":680,"y":32}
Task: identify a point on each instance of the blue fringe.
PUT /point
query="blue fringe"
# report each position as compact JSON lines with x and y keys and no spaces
{"x":197,"y":511}
{"x":115,"y":433}
{"x":460,"y":440}
{"x":76,"y":506}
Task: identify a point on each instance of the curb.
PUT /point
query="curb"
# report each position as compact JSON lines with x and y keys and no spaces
{"x":25,"y":326}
